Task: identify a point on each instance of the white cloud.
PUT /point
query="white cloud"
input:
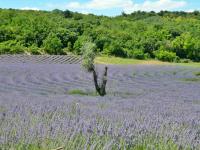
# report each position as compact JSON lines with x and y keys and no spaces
{"x":126,"y":5}
{"x":73,"y":5}
{"x":106,"y":4}
{"x":100,"y":4}
{"x":156,"y":5}
{"x":29,"y":8}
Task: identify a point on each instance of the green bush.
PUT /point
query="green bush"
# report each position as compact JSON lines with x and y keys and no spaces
{"x":138,"y":54}
{"x":80,"y":43}
{"x":115,"y":49}
{"x":166,"y":56}
{"x":4,"y":48}
{"x":60,"y":32}
{"x":185,"y":60}
{"x":35,"y":50}
{"x":11,"y":47}
{"x":52,"y":44}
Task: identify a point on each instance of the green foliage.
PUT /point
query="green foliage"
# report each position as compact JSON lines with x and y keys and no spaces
{"x":67,"y":14}
{"x":77,"y":92}
{"x":191,"y":79}
{"x":88,"y":51}
{"x":11,"y":47}
{"x":187,"y":46}
{"x":136,"y":35}
{"x":197,"y":74}
{"x":115,"y":49}
{"x":166,"y":56}
{"x":138,"y":54}
{"x":80,"y":42}
{"x":52,"y":44}
{"x":185,"y":61}
{"x":98,"y":142}
{"x":81,"y":92}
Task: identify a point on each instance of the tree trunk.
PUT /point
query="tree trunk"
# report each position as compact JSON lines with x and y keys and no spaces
{"x":104,"y":81}
{"x":95,"y":77}
{"x":102,"y":88}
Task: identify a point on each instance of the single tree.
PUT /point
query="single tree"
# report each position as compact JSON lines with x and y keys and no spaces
{"x":88,"y":51}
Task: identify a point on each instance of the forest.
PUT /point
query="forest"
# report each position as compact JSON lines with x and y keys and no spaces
{"x":166,"y":36}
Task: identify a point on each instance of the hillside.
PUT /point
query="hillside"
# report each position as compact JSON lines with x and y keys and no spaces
{"x":167,"y":36}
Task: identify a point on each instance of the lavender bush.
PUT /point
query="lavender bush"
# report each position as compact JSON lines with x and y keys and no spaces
{"x":146,"y":107}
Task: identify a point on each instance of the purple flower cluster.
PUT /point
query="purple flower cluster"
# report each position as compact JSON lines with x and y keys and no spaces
{"x":142,"y":100}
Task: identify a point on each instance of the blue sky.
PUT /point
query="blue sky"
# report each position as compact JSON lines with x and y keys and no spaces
{"x":105,"y":7}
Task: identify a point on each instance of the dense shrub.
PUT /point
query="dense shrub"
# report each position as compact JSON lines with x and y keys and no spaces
{"x":11,"y":47}
{"x":52,"y":44}
{"x":130,"y":35}
{"x":80,"y":43}
{"x":115,"y":49}
{"x":185,"y":60}
{"x":166,"y":56}
{"x":138,"y":54}
{"x":35,"y":50}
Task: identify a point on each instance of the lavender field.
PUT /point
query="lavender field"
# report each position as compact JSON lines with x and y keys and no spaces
{"x":147,"y":107}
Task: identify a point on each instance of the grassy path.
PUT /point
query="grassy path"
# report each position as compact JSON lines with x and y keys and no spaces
{"x":128,"y":61}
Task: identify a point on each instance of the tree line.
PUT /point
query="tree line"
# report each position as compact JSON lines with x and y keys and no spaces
{"x":167,"y":36}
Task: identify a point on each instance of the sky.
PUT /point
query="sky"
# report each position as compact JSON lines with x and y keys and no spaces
{"x":104,"y":7}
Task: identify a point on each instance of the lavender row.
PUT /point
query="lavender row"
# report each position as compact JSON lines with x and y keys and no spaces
{"x":141,"y":101}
